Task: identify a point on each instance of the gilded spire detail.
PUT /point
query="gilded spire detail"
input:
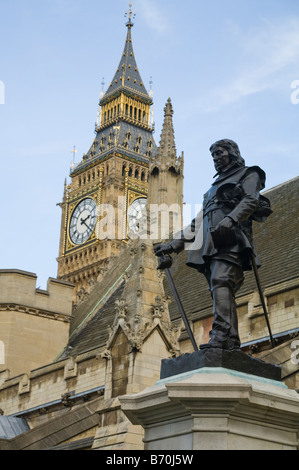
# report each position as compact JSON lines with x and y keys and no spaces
{"x":127,"y":77}
{"x":130,"y":15}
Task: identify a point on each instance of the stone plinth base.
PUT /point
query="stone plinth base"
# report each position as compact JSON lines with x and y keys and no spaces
{"x":216,"y":409}
{"x":236,"y":360}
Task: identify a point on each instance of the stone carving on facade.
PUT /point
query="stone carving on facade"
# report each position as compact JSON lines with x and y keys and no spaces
{"x":66,"y":400}
{"x":121,"y":308}
{"x":127,"y":275}
{"x":102,"y":270}
{"x":70,"y":369}
{"x":91,"y":284}
{"x":81,"y":295}
{"x":24,"y":384}
{"x":158,"y":308}
{"x":135,"y":328}
{"x":138,"y":330}
{"x":106,"y":354}
{"x":138,"y":327}
{"x":170,"y":332}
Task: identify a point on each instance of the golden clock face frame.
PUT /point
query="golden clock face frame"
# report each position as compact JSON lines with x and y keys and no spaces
{"x":136,"y":214}
{"x":82,"y":221}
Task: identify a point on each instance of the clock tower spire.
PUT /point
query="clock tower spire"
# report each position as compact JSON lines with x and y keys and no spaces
{"x":112,"y":174}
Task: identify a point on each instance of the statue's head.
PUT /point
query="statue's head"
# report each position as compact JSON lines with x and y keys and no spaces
{"x":231,"y":149}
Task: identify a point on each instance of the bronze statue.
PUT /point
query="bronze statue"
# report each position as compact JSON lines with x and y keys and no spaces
{"x":226,"y":248}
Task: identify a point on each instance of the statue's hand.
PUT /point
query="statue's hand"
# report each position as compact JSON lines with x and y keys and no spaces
{"x":224,"y":235}
{"x":226,"y":223}
{"x":163,"y":248}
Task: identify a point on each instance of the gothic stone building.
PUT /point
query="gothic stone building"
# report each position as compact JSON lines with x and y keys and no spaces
{"x":101,"y":329}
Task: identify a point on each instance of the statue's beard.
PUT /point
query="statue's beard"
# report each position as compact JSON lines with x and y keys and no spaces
{"x":223,"y":169}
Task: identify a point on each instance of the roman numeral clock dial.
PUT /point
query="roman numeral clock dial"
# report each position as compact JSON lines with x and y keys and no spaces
{"x":82,"y":221}
{"x":136,"y":214}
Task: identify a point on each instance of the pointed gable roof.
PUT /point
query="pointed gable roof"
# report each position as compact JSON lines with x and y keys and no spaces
{"x":127,"y":77}
{"x":130,"y":299}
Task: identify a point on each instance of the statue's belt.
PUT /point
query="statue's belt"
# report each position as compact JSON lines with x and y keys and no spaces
{"x":214,"y":206}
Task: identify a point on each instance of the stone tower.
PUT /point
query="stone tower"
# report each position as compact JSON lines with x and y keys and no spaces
{"x":166,"y":175}
{"x":109,"y":187}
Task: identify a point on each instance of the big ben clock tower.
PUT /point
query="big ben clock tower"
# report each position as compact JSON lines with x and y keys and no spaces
{"x":113,"y":173}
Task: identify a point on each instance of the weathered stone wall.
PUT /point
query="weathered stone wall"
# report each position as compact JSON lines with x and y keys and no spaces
{"x":34,"y":323}
{"x":42,"y":387}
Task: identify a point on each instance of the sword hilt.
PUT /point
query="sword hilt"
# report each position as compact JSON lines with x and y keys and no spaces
{"x":165,"y":261}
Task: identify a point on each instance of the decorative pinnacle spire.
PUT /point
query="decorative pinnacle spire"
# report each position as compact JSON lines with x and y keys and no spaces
{"x":130,"y":14}
{"x":167,"y":144}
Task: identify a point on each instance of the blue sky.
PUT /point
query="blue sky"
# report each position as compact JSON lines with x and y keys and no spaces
{"x":227,"y":65}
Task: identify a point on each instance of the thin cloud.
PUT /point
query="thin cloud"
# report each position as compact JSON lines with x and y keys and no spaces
{"x":266,"y":53}
{"x":154,"y":16}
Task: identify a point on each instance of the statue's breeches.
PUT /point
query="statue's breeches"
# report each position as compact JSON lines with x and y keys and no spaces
{"x":224,"y":279}
{"x":222,"y":273}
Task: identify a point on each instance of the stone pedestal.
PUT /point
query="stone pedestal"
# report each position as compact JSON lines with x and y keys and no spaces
{"x":216,"y":408}
{"x":235,"y":360}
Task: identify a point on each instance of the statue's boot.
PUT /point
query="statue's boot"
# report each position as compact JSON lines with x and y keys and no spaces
{"x":224,"y":333}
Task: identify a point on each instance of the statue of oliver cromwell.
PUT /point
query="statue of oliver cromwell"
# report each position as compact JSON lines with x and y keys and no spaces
{"x":223,"y":246}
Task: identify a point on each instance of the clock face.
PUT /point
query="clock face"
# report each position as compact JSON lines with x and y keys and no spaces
{"x":83,"y":221}
{"x":136,"y":214}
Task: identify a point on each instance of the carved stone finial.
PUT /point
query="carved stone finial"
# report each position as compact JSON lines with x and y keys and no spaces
{"x":168,"y":110}
{"x":121,"y":308}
